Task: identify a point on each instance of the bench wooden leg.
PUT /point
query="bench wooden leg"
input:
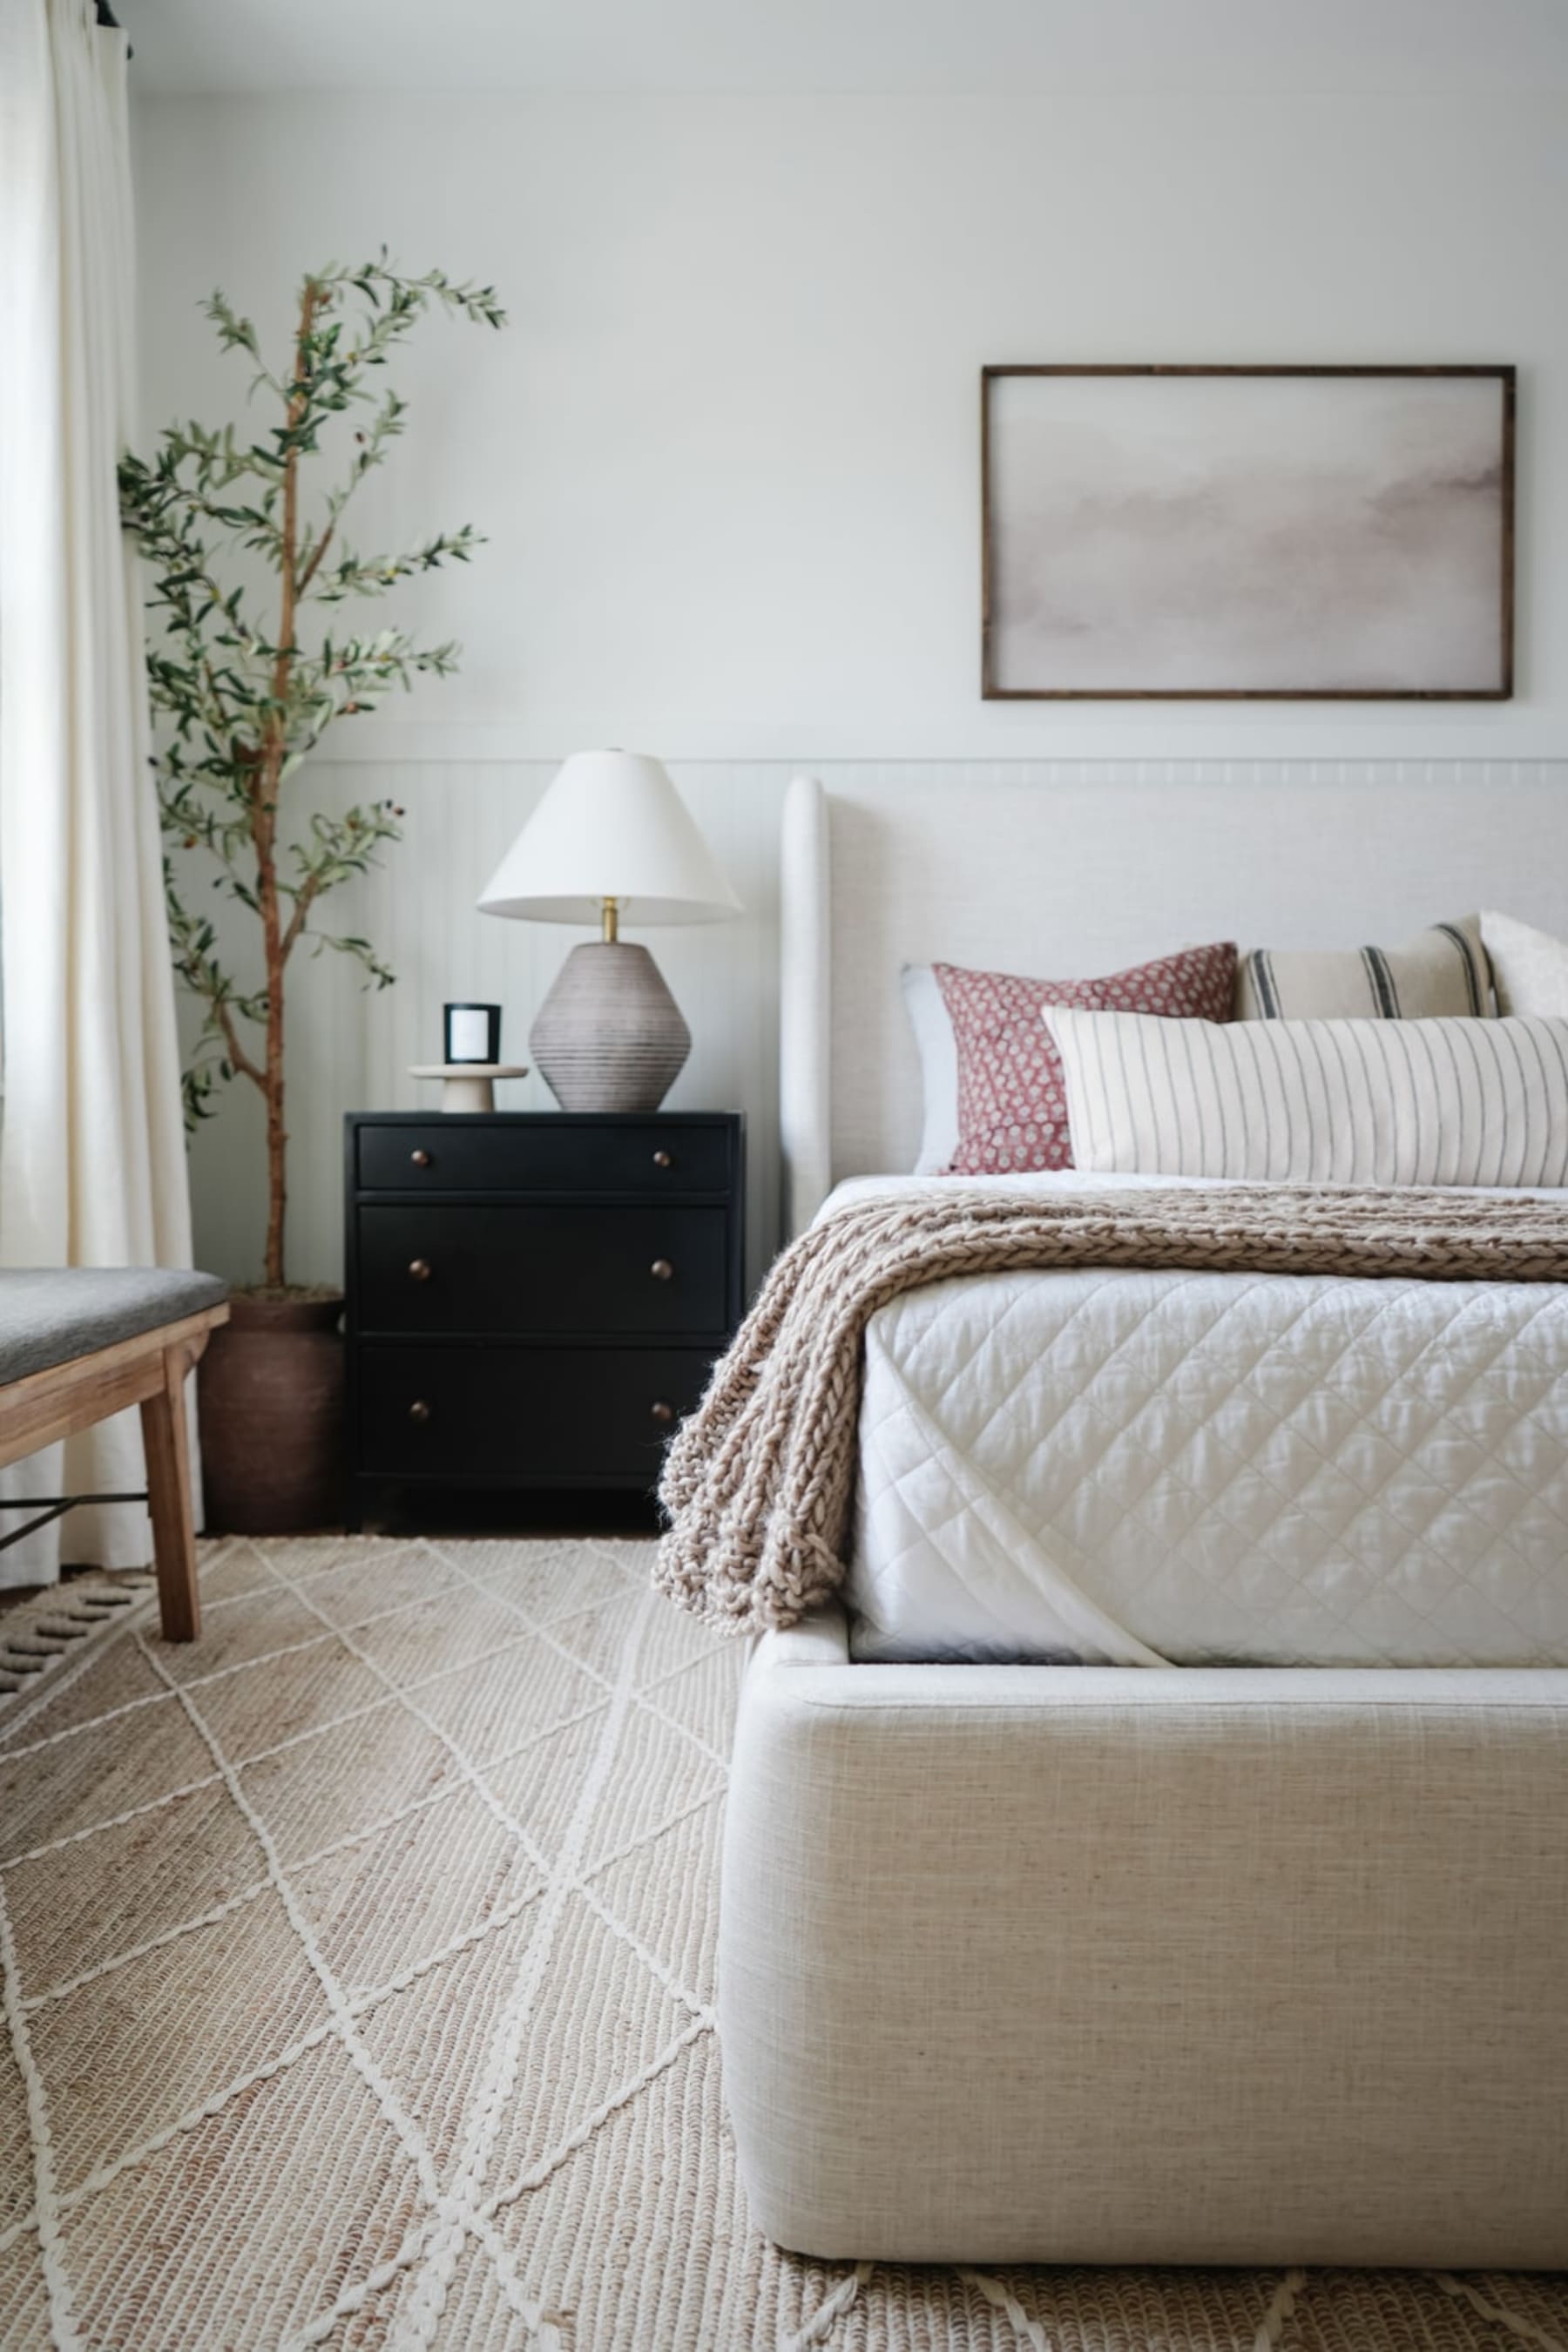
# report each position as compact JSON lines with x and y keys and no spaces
{"x":168,"y":1455}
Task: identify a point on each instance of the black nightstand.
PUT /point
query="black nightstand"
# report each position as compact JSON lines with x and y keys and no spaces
{"x":535,"y":1298}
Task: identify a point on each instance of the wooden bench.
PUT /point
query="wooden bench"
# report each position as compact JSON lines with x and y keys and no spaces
{"x":78,"y":1343}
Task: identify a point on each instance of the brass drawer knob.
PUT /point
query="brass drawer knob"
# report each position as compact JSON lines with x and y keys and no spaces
{"x":661,"y":1269}
{"x":662,"y":1411}
{"x":419,"y":1269}
{"x":662,"y":1160}
{"x":421,"y":1159}
{"x":418,"y":1410}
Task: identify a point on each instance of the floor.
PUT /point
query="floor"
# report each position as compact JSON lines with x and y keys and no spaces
{"x":358,"y":1972}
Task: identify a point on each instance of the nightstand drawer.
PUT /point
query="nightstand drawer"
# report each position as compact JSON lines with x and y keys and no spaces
{"x":457,"y":1268}
{"x":521,"y":1416}
{"x":550,"y":1155}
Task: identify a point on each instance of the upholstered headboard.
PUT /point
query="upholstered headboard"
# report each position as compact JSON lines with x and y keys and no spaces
{"x":1084,"y":873}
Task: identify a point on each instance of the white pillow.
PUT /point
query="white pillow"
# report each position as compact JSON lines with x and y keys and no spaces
{"x":1445,"y":1101}
{"x":1530,"y":968}
{"x":938,"y":1050}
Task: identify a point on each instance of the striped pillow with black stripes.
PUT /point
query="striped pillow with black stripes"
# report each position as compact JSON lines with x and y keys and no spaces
{"x":1442,"y":974}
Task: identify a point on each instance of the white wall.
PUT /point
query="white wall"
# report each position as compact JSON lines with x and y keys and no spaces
{"x":726,"y":453}
{"x":727,"y":450}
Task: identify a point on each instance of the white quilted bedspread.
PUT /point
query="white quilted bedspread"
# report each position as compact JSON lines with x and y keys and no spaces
{"x":1130,"y":1467}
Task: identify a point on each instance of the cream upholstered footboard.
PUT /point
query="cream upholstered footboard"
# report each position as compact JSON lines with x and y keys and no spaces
{"x":1105,"y":1965}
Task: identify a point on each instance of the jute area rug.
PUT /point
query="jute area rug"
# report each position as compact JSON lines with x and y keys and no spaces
{"x":358,"y":1992}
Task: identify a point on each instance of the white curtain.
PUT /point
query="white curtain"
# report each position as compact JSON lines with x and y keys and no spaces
{"x":92,"y":1163}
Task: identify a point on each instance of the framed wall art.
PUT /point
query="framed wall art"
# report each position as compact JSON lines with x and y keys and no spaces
{"x":1278,"y":533}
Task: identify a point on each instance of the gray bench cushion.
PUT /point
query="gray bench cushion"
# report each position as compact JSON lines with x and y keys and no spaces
{"x":49,"y":1315}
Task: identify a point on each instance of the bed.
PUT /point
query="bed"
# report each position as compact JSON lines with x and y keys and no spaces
{"x":1145,"y":1467}
{"x":1155,"y":1955}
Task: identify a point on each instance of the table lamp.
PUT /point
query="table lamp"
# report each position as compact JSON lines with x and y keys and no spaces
{"x":611,"y":837}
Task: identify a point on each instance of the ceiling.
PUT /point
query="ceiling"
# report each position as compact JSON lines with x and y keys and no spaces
{"x":951,"y":46}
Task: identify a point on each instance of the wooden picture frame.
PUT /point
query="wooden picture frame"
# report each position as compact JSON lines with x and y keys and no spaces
{"x":1198,"y":533}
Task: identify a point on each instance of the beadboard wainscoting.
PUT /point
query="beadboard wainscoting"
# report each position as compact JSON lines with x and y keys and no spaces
{"x":1277,"y":819}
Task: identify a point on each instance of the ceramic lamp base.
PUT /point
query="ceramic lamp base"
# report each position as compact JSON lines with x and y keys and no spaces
{"x":609,"y":1035}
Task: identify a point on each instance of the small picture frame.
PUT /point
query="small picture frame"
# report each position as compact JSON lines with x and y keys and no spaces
{"x":470,"y":1033}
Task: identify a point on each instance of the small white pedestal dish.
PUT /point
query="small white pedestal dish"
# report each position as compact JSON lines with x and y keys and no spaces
{"x":467,"y":1085}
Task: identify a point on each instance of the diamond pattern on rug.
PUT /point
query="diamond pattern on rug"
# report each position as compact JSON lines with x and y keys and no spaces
{"x":524,"y":1689}
{"x":258,"y":1627}
{"x":544,"y":1581}
{"x":453,"y":1865}
{"x":354,"y":1588}
{"x":600,"y":2020}
{"x":298,"y":1559}
{"x":397,"y":2030}
{"x":894,"y":2308}
{"x":538,"y":1784}
{"x":673,"y":1641}
{"x":599,"y":1637}
{"x":1332,"y":2316}
{"x":24,"y":2305}
{"x":329,"y":1784}
{"x":232,"y":1572}
{"x":83,"y":1904}
{"x":90,"y":1782}
{"x":700,"y":1698}
{"x":658,"y":1777}
{"x":428,"y":2035}
{"x":109,"y":1672}
{"x":123,"y":2058}
{"x":1539,"y":2303}
{"x":254,"y":1709}
{"x":1074,"y":2312}
{"x":434,"y":1634}
{"x":660,"y":2175}
{"x":475,"y":2312}
{"x":16,"y":2148}
{"x":316,"y":2209}
{"x":635,"y":1890}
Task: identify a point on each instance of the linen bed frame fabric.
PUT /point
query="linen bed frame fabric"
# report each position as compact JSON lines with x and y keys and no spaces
{"x":1075,"y":1964}
{"x":1067,"y":878}
{"x":1119,"y":1965}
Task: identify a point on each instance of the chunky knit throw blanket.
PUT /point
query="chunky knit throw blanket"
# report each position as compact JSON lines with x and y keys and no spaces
{"x":758,"y":1484}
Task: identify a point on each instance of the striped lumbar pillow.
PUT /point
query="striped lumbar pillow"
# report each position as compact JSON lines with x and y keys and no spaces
{"x":1317,"y":1102}
{"x":1443,"y":970}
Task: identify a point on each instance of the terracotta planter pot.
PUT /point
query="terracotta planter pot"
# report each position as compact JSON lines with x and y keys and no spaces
{"x":269,"y":1397}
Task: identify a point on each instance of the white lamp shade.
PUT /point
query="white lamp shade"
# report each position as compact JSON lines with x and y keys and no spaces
{"x":612,"y":825}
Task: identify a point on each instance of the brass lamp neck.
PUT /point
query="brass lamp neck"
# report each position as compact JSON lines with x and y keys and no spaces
{"x":609,"y":922}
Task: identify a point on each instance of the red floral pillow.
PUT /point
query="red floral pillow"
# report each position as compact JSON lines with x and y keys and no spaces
{"x":1012,"y":1102}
